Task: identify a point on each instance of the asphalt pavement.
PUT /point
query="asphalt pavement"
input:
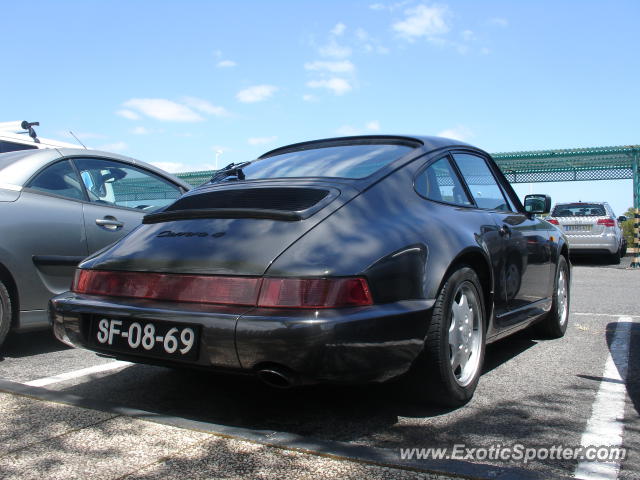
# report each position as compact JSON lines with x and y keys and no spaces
{"x":149,"y":422}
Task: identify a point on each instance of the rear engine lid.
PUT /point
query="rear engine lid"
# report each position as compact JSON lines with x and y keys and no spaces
{"x":225,"y":229}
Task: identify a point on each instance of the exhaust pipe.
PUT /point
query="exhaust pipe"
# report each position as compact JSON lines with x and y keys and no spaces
{"x":275,"y":378}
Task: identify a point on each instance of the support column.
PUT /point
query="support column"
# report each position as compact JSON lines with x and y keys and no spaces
{"x":636,"y":206}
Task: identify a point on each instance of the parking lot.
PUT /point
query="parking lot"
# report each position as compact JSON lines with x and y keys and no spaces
{"x":534,"y":392}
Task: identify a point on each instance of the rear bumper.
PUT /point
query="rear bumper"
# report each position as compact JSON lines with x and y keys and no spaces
{"x":592,"y":244}
{"x":363,"y":344}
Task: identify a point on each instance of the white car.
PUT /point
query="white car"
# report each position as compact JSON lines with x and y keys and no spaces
{"x":590,"y":228}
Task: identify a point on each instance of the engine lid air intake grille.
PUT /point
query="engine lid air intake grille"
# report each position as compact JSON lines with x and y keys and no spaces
{"x":288,"y":199}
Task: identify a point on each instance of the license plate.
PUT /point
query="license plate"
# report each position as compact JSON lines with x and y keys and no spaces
{"x":154,"y":339}
{"x":573,"y":228}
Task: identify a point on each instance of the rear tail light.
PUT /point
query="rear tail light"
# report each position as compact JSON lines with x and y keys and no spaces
{"x":177,"y":288}
{"x":607,"y":222}
{"x":250,"y":291}
{"x":314,"y":293}
{"x":554,"y":221}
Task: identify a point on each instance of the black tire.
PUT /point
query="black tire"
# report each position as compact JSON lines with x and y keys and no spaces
{"x":554,"y":324}
{"x":614,"y":259}
{"x":623,"y":250}
{"x":432,"y":377}
{"x":5,"y":312}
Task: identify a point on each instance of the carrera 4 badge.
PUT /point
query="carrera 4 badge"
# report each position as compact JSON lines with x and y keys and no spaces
{"x":171,"y":234}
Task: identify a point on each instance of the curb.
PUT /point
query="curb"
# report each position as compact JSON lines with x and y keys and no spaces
{"x":287,"y":441}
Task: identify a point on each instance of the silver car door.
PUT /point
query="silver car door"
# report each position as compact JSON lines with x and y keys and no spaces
{"x":120,"y":194}
{"x":46,"y":236}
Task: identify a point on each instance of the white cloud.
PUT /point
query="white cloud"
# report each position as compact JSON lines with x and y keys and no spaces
{"x":204,"y":106}
{"x":140,"y":131}
{"x":459,"y":132}
{"x":178,"y":167}
{"x":257,"y":93}
{"x":128,"y":114}
{"x":339,"y":86}
{"x":343,"y":66}
{"x":423,"y":21}
{"x":368,"y":43}
{"x":338,"y":29}
{"x":499,"y":22}
{"x":390,"y":6}
{"x":261,"y":140}
{"x":226,"y":64}
{"x":309,"y":98}
{"x":485,"y":51}
{"x":163,"y":109}
{"x":113,"y":147}
{"x":373,"y":125}
{"x":334,"y":50}
{"x":348,"y":130}
{"x":468,"y":35}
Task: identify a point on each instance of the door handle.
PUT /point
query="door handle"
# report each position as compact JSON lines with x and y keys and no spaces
{"x":505,"y":231}
{"x":109,"y":223}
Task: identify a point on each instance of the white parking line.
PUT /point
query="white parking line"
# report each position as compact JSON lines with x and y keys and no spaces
{"x":105,"y":367}
{"x":604,"y":315}
{"x":605,"y":427}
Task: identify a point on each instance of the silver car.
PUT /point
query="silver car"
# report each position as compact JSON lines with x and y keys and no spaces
{"x":590,"y":228}
{"x":59,"y":205}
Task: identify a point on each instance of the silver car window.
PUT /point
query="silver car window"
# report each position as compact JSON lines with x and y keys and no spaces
{"x":58,"y":179}
{"x":119,"y":184}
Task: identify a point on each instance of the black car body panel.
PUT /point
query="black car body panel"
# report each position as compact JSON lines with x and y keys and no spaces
{"x":378,"y":228}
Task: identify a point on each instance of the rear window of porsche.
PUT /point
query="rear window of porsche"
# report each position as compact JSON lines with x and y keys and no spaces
{"x":344,"y":161}
{"x":579,"y":210}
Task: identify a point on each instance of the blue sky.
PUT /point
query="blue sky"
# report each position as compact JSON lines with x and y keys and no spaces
{"x":179,"y":83}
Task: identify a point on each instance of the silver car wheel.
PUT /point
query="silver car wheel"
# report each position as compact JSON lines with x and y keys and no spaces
{"x":465,"y":334}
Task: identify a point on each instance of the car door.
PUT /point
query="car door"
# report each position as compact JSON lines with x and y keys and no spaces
{"x":525,"y":256}
{"x":120,"y":194}
{"x":46,"y":236}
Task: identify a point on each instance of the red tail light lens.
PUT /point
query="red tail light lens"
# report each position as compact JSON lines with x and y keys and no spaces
{"x":176,"y":288}
{"x":607,"y":222}
{"x":251,"y":291}
{"x":554,"y":221}
{"x":314,"y":293}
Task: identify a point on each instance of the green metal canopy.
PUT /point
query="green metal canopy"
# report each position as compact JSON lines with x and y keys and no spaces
{"x":567,"y":165}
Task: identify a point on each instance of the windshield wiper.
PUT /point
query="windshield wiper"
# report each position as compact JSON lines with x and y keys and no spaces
{"x":231,"y":170}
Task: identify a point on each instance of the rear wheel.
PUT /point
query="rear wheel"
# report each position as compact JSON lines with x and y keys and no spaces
{"x":555,"y":322}
{"x":5,"y":312}
{"x":448,"y":369}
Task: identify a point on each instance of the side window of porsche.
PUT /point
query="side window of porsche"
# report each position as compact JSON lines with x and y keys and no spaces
{"x":481,"y":182}
{"x":440,"y":182}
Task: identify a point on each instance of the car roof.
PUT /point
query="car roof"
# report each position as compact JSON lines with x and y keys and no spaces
{"x":426,"y":143}
{"x":18,"y":167}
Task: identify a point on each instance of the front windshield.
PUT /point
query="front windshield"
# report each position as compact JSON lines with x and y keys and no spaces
{"x":346,"y":161}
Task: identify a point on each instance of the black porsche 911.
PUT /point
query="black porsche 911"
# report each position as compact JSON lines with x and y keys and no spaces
{"x":357,"y":259}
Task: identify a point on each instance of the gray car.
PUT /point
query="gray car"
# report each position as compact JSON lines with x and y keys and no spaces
{"x":590,"y":228}
{"x":59,"y":205}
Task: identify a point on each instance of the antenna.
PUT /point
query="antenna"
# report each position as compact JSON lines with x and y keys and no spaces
{"x":74,"y":136}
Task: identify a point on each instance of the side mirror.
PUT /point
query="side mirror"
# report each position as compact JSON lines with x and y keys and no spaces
{"x":537,"y":204}
{"x":622,"y":218}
